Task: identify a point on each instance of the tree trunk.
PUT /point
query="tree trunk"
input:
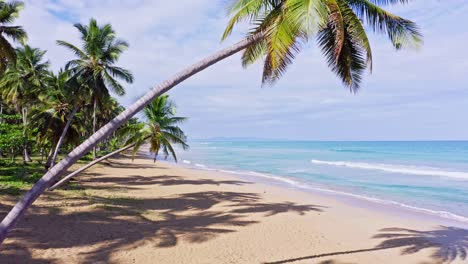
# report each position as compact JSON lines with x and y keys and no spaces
{"x":1,"y":112}
{"x":26,"y":156}
{"x":42,"y":155}
{"x":94,"y":126}
{"x":62,"y":137}
{"x":20,"y":208}
{"x":73,"y":174}
{"x":49,"y":158}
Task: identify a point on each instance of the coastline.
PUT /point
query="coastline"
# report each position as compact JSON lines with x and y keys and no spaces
{"x":352,"y":199}
{"x":140,"y":212}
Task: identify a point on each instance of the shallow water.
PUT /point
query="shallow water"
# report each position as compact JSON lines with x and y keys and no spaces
{"x":428,"y":177}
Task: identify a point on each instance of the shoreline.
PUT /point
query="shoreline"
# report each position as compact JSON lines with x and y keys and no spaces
{"x":140,"y":212}
{"x":351,"y":199}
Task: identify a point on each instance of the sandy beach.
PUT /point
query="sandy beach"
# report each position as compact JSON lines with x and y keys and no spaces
{"x":141,"y":212}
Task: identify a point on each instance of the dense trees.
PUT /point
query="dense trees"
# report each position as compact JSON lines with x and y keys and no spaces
{"x":95,"y":67}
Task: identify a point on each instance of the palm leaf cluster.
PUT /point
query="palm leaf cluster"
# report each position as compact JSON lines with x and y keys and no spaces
{"x":9,"y":11}
{"x":161,"y":130}
{"x":338,"y":25}
{"x":24,"y":78}
{"x":95,"y":65}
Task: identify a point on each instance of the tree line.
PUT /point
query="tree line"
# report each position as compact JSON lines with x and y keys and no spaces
{"x":43,"y":112}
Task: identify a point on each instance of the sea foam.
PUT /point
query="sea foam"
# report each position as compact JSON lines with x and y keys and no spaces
{"x":306,"y":186}
{"x":413,"y":170}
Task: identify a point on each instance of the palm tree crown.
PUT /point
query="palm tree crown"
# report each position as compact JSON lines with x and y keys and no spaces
{"x":338,"y":26}
{"x":95,"y":65}
{"x":8,"y":13}
{"x":27,"y":76}
{"x":161,"y":128}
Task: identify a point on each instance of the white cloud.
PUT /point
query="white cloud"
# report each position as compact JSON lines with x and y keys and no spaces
{"x":406,"y":88}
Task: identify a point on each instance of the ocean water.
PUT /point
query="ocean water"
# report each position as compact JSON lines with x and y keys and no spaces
{"x":428,"y":177}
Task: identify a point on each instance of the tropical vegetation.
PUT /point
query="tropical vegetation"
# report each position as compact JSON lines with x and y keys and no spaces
{"x":160,"y":130}
{"x":36,"y":103}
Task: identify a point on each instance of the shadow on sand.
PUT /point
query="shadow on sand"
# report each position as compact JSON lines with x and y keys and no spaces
{"x":165,"y":180}
{"x":113,"y":223}
{"x":447,"y":243}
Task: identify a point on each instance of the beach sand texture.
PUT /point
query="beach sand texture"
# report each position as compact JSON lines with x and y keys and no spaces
{"x":141,"y":212}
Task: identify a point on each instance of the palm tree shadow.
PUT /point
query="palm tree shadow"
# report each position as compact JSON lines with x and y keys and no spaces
{"x":131,"y":181}
{"x":271,"y":209}
{"x":448,"y":244}
{"x":117,"y":222}
{"x":15,"y":253}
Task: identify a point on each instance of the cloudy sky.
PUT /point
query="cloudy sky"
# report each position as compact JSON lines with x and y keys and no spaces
{"x":414,"y":94}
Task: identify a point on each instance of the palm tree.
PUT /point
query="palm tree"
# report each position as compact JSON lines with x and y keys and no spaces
{"x":8,"y":13}
{"x":53,"y":115}
{"x":95,"y":66}
{"x":22,"y":81}
{"x":161,"y":129}
{"x":279,"y":28}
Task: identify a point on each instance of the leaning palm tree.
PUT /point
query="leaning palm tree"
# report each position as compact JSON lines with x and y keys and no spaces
{"x":22,"y":82}
{"x":95,"y":68}
{"x":279,"y":28}
{"x":9,"y":11}
{"x":161,"y":129}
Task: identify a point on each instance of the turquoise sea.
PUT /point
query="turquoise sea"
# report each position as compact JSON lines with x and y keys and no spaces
{"x":427,"y":177}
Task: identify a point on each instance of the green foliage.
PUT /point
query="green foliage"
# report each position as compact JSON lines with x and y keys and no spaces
{"x":11,"y":136}
{"x":160,"y":130}
{"x":95,"y":66}
{"x":338,"y":26}
{"x":9,"y":11}
{"x":22,"y":81}
{"x":15,"y":178}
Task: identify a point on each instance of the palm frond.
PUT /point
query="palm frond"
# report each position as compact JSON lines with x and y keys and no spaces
{"x":283,"y":40}
{"x":245,"y":9}
{"x":120,"y":73}
{"x":16,"y":33}
{"x":401,"y":32}
{"x":9,"y":11}
{"x":116,"y":87}
{"x":79,"y":53}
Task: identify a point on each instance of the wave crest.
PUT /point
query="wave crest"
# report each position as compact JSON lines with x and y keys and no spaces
{"x":413,"y":170}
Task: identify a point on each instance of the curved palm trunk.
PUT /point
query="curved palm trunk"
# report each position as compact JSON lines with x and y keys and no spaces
{"x":20,"y":208}
{"x":26,"y":156}
{"x":78,"y":171}
{"x":62,"y":137}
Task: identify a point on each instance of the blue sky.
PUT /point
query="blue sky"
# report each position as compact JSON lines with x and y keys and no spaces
{"x":413,"y":94}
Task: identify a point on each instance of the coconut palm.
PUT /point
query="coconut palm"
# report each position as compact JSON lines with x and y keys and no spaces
{"x":161,"y":129}
{"x":9,"y":11}
{"x":53,"y":115}
{"x":278,"y":29}
{"x":64,"y":102}
{"x":22,"y":81}
{"x":95,"y":66}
